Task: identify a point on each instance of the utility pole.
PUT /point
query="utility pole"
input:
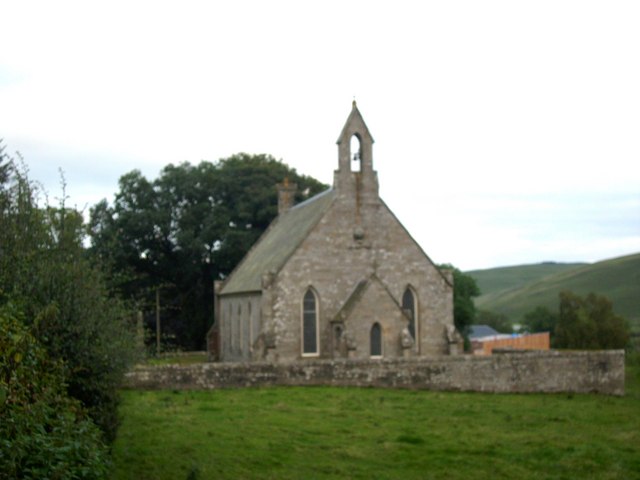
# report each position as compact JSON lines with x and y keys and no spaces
{"x":140,"y":330}
{"x":157,"y":320}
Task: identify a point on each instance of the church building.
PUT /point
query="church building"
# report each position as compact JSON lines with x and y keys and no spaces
{"x":335,"y":277}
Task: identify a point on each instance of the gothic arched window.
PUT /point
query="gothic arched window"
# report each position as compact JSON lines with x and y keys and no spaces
{"x":376,"y":340}
{"x":310,"y":323}
{"x":409,"y":306}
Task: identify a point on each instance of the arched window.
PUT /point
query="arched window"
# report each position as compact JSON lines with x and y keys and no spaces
{"x":376,"y":340}
{"x":250,"y":321}
{"x":409,"y":306}
{"x":237,"y":339}
{"x":234,"y":330}
{"x":228,"y":323}
{"x":309,"y":324}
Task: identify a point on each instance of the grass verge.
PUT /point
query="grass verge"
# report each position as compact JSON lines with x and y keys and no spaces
{"x":178,"y":359}
{"x":328,"y":432}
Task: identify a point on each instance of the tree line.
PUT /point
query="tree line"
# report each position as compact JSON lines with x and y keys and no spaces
{"x":171,"y":237}
{"x":588,"y":322}
{"x":580,"y":322}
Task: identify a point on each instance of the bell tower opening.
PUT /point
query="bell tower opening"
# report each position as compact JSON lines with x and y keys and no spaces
{"x":355,"y":149}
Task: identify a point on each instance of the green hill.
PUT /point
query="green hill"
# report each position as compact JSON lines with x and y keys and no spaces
{"x":514,"y":291}
{"x":497,"y":280}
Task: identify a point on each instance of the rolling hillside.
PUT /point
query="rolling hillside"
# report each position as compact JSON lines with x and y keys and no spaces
{"x":496,"y":280}
{"x":514,"y":291}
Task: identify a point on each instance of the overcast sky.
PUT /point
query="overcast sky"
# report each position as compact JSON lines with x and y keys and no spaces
{"x":505,"y":132}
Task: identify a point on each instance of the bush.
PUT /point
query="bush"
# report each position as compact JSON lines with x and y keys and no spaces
{"x":81,"y":325}
{"x":589,"y":323}
{"x":498,"y":321}
{"x":541,"y":319}
{"x":43,"y":432}
{"x":44,"y":270}
{"x":465,"y":289}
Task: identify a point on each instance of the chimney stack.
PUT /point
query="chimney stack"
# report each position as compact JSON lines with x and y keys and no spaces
{"x":286,"y":194}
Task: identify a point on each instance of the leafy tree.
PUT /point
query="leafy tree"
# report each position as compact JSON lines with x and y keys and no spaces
{"x":45,"y":272}
{"x":465,"y":289}
{"x":181,"y":231}
{"x":4,"y":166}
{"x":541,"y":319}
{"x":44,"y":433}
{"x":589,"y":323}
{"x":496,"y":320}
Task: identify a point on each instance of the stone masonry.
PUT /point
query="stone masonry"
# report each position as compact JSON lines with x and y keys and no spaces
{"x":521,"y":372}
{"x":371,"y":289}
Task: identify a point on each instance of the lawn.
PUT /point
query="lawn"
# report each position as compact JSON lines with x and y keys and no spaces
{"x":178,"y":359}
{"x":330,"y":432}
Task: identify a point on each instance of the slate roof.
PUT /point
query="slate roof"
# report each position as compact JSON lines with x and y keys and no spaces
{"x":277,"y":244}
{"x":479,"y":331}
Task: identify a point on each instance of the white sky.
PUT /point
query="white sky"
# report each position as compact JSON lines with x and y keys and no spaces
{"x":507,"y":132}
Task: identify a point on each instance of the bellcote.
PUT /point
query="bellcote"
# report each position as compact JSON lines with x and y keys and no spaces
{"x":359,"y":159}
{"x":355,"y":158}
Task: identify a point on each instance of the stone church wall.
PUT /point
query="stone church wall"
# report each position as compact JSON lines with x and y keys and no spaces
{"x":239,"y":326}
{"x":332,"y":261}
{"x":521,"y":372}
{"x":404,"y":263}
{"x":376,"y":307}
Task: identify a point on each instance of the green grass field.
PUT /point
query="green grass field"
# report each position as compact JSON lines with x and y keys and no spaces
{"x":368,"y":433}
{"x":178,"y":359}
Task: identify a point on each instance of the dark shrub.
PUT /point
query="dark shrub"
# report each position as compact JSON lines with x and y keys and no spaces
{"x":43,"y":432}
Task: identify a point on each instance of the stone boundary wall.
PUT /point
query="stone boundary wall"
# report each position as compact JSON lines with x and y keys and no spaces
{"x":509,"y":372}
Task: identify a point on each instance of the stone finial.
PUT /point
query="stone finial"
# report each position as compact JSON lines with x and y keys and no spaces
{"x":454,"y":339}
{"x":406,"y":340}
{"x":286,"y":195}
{"x":349,"y":341}
{"x":453,"y":335}
{"x":267,"y":280}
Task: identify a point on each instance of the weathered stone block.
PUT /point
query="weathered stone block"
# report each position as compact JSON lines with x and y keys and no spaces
{"x":522,"y":372}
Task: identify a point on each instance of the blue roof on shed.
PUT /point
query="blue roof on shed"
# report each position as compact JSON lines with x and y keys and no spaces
{"x":479,"y":331}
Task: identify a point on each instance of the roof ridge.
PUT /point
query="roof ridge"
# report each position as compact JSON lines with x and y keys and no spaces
{"x":246,"y":255}
{"x":439,"y":270}
{"x":277,"y":243}
{"x":310,"y":199}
